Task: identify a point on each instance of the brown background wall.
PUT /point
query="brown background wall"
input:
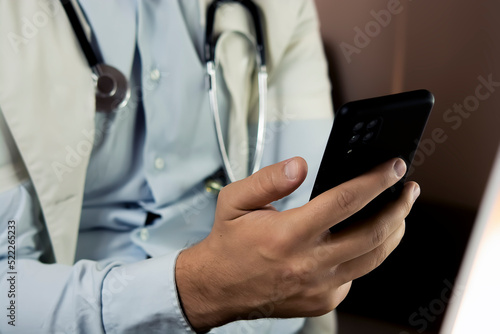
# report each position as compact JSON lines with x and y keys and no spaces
{"x":443,"y":46}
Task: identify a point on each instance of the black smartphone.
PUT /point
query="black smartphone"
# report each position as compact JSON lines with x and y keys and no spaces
{"x":367,"y":133}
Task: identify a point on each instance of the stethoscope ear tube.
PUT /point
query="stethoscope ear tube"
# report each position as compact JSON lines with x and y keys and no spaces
{"x":259,"y":31}
{"x":210,"y":43}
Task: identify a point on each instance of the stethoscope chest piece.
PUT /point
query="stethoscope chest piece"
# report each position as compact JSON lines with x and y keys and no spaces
{"x":112,"y":88}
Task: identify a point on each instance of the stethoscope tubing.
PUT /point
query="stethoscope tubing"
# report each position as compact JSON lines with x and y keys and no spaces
{"x":210,"y":44}
{"x":87,"y":49}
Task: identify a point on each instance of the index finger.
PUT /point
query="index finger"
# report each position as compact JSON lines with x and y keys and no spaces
{"x":341,"y":202}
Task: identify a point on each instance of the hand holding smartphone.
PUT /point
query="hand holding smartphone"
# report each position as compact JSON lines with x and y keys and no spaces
{"x":367,"y":133}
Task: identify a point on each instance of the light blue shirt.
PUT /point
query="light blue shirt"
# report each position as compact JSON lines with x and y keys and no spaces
{"x":151,"y":156}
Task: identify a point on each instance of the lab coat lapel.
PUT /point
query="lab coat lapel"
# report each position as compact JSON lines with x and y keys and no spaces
{"x":46,"y":82}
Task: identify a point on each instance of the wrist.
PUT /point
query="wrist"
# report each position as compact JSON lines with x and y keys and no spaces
{"x":199,"y":292}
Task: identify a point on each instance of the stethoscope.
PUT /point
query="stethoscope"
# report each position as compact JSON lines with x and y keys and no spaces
{"x":113,"y":91}
{"x":262,"y":83}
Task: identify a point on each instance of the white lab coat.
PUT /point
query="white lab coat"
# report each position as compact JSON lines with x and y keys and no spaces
{"x":47,"y":96}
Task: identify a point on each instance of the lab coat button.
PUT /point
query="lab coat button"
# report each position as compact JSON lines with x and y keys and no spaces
{"x":159,"y":163}
{"x":155,"y":75}
{"x":144,"y":234}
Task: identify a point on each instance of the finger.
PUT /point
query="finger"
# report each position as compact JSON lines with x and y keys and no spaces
{"x":262,"y":188}
{"x":341,"y":293}
{"x":366,"y":263}
{"x":338,"y":294}
{"x":346,"y":199}
{"x":366,"y":236}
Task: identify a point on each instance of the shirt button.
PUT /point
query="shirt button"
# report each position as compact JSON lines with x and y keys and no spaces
{"x":155,"y":75}
{"x":144,"y":234}
{"x":159,"y":163}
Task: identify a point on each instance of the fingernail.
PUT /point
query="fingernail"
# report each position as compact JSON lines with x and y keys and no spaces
{"x":400,"y":168}
{"x":416,"y":192}
{"x":291,"y":169}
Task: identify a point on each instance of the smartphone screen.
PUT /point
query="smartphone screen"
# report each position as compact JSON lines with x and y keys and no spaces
{"x":367,"y":133}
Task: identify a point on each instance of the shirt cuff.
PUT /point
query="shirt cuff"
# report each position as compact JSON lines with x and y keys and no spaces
{"x":142,"y":297}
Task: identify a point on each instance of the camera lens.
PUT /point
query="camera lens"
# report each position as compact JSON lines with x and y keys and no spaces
{"x":372,"y":124}
{"x":368,"y":136}
{"x":358,"y":127}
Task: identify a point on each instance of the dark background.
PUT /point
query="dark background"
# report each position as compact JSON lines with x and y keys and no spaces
{"x":443,"y":46}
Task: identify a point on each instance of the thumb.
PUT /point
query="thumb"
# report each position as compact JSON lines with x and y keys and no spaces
{"x":264,"y":187}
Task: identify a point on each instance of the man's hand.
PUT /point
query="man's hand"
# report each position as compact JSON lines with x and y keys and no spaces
{"x":258,"y":262}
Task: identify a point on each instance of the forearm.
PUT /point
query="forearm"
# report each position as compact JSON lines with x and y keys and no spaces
{"x":87,"y":297}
